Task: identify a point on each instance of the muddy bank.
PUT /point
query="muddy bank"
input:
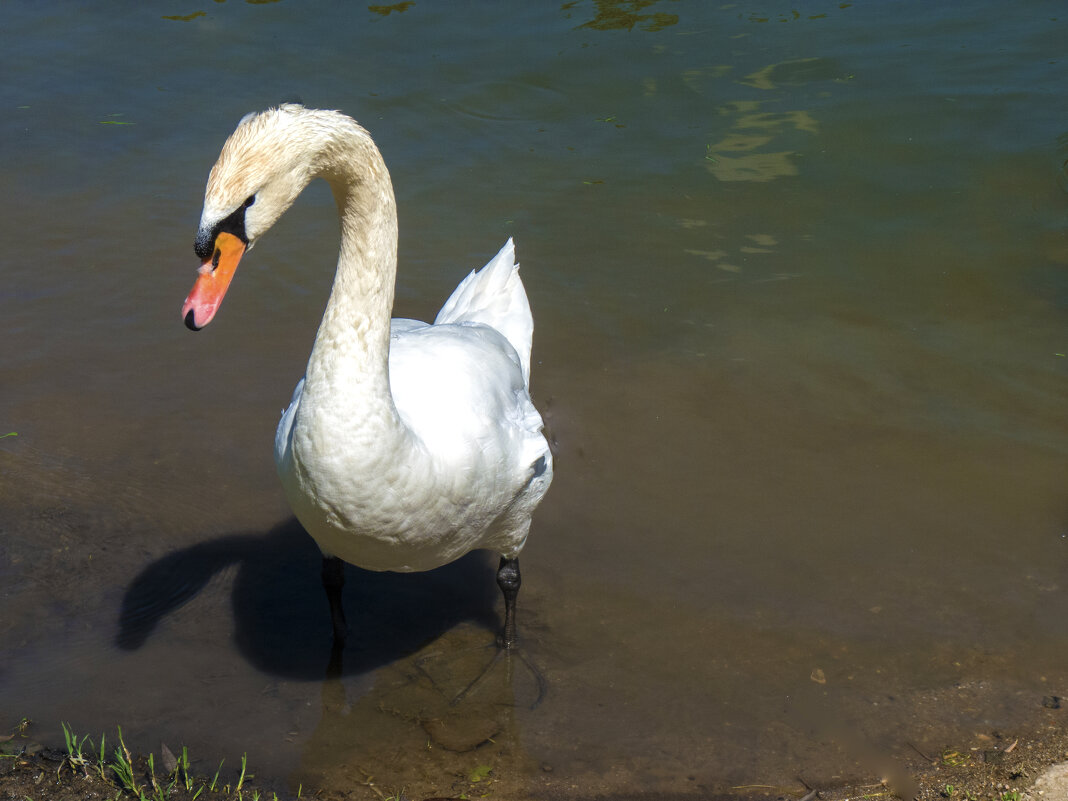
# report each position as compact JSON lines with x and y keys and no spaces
{"x":997,"y":766}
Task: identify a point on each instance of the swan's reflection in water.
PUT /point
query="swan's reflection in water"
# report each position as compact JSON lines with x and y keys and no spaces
{"x":408,"y":733}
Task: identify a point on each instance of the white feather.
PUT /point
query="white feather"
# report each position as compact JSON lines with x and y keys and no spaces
{"x":495,"y":296}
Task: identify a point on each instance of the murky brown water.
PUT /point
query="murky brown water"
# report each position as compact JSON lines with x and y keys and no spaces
{"x":799,"y":293}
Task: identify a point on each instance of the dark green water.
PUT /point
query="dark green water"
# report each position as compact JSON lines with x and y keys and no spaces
{"x":799,"y":287}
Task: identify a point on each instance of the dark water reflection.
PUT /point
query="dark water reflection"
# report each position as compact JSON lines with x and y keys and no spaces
{"x":799,"y":288}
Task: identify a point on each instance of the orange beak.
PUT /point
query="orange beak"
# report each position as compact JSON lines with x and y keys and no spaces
{"x":212,"y":282}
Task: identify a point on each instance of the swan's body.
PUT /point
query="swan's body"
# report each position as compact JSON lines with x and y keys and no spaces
{"x":405,"y":445}
{"x":459,"y":462}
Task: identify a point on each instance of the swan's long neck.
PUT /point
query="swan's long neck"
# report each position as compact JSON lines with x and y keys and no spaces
{"x":349,"y":362}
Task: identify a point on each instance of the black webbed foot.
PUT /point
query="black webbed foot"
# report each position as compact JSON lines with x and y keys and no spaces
{"x":508,"y":653}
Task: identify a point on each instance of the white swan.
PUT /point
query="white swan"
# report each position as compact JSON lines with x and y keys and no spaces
{"x":406,"y":445}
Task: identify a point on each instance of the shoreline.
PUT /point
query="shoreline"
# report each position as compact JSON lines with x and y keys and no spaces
{"x":998,"y":768}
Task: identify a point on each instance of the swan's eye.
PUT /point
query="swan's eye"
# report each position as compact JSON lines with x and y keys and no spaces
{"x":234,"y":223}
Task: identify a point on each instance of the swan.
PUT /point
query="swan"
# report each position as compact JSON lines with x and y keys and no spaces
{"x":405,"y":444}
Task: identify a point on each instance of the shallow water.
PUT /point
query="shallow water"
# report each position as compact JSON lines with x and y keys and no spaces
{"x":799,"y":291}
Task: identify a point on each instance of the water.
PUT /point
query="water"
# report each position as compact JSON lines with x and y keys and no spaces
{"x":799,"y":291}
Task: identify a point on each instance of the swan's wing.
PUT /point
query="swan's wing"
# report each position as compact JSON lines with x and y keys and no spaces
{"x":461,"y":389}
{"x":453,"y":385}
{"x":495,"y":296}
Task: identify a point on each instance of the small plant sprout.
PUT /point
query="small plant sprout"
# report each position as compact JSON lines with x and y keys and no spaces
{"x":211,"y":788}
{"x":152,"y":773}
{"x":123,"y":766}
{"x":74,"y":749}
{"x":101,"y":762}
{"x":183,"y":766}
{"x":159,"y":792}
{"x":123,"y":771}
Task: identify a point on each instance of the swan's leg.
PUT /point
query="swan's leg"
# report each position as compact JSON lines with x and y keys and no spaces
{"x":333,"y":581}
{"x":509,"y":580}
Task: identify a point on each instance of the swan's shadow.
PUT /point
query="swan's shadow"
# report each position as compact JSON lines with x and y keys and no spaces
{"x":281,"y":613}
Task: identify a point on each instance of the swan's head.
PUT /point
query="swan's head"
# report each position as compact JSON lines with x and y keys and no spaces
{"x":264,"y":165}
